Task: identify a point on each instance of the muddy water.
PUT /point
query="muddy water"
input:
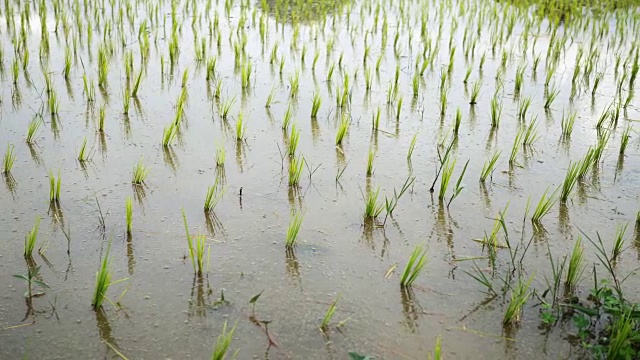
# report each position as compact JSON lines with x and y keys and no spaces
{"x":168,"y":313}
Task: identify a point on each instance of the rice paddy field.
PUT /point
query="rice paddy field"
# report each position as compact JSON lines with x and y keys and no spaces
{"x":293,"y":179}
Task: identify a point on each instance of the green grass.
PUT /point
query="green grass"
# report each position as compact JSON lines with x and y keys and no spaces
{"x":489,"y":166}
{"x":295,"y":170}
{"x":140,"y":173}
{"x":129,"y":213}
{"x":8,"y":160}
{"x":372,"y":208}
{"x":103,"y":280}
{"x":32,"y":129}
{"x":222,"y":343}
{"x":293,"y":229}
{"x":415,"y":265}
{"x":31,"y":239}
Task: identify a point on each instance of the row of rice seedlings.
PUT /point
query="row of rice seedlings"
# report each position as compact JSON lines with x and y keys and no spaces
{"x":197,"y":248}
{"x":295,"y":170}
{"x":415,"y":265}
{"x":54,"y":187}
{"x":292,"y":230}
{"x":489,"y":166}
{"x":140,"y":173}
{"x":31,"y":239}
{"x":8,"y":160}
{"x":213,"y":196}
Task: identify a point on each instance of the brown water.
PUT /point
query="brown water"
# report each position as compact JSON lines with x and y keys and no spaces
{"x":167,"y":312}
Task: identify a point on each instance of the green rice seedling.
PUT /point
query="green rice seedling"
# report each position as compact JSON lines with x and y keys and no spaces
{"x":370,"y":157}
{"x":32,"y":129}
{"x":398,"y":108}
{"x":31,"y":239}
{"x":53,"y":102}
{"x":603,"y":117}
{"x":517,"y":141}
{"x":102,"y":114}
{"x":270,"y":98}
{"x":523,"y":107}
{"x":551,"y":96}
{"x":294,"y":84}
{"x":375,"y":121}
{"x":213,"y":197}
{"x":570,"y":180}
{"x":586,"y":163}
{"x":126,"y":100}
{"x":622,"y":331}
{"x":169,"y":133}
{"x":294,"y":139}
{"x":567,"y":124}
{"x":444,"y":94}
{"x":544,"y":207}
{"x":372,"y":208}
{"x":103,"y":280}
{"x":293,"y":229}
{"x":15,"y":71}
{"x":445,"y":179}
{"x":245,"y":75}
{"x":220,"y":155}
{"x":222,"y":343}
{"x":54,"y":187}
{"x":343,"y":127}
{"x":457,"y":121}
{"x":489,"y":166}
{"x":136,"y":84}
{"x":103,"y":66}
{"x":317,"y":101}
{"x":329,"y":314}
{"x":66,"y":70}
{"x":596,"y":83}
{"x":519,"y":79}
{"x":475,"y":92}
{"x":496,"y":111}
{"x":412,"y":146}
{"x":576,"y":266}
{"x":83,"y":153}
{"x":8,"y":160}
{"x":287,"y":118}
{"x":128,"y":204}
{"x":618,"y":242}
{"x":519,"y":296}
{"x":458,"y":188}
{"x":218,"y":89}
{"x":368,"y":79}
{"x":531,"y":134}
{"x":225,"y":107}
{"x":624,"y":139}
{"x":467,"y":74}
{"x":416,"y":85}
{"x":240,"y":128}
{"x":437,"y":350}
{"x":140,"y":173}
{"x":295,"y":170}
{"x":197,"y":248}
{"x":415,"y":265}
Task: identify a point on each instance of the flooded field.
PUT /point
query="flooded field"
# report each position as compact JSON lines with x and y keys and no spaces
{"x":289,"y":179}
